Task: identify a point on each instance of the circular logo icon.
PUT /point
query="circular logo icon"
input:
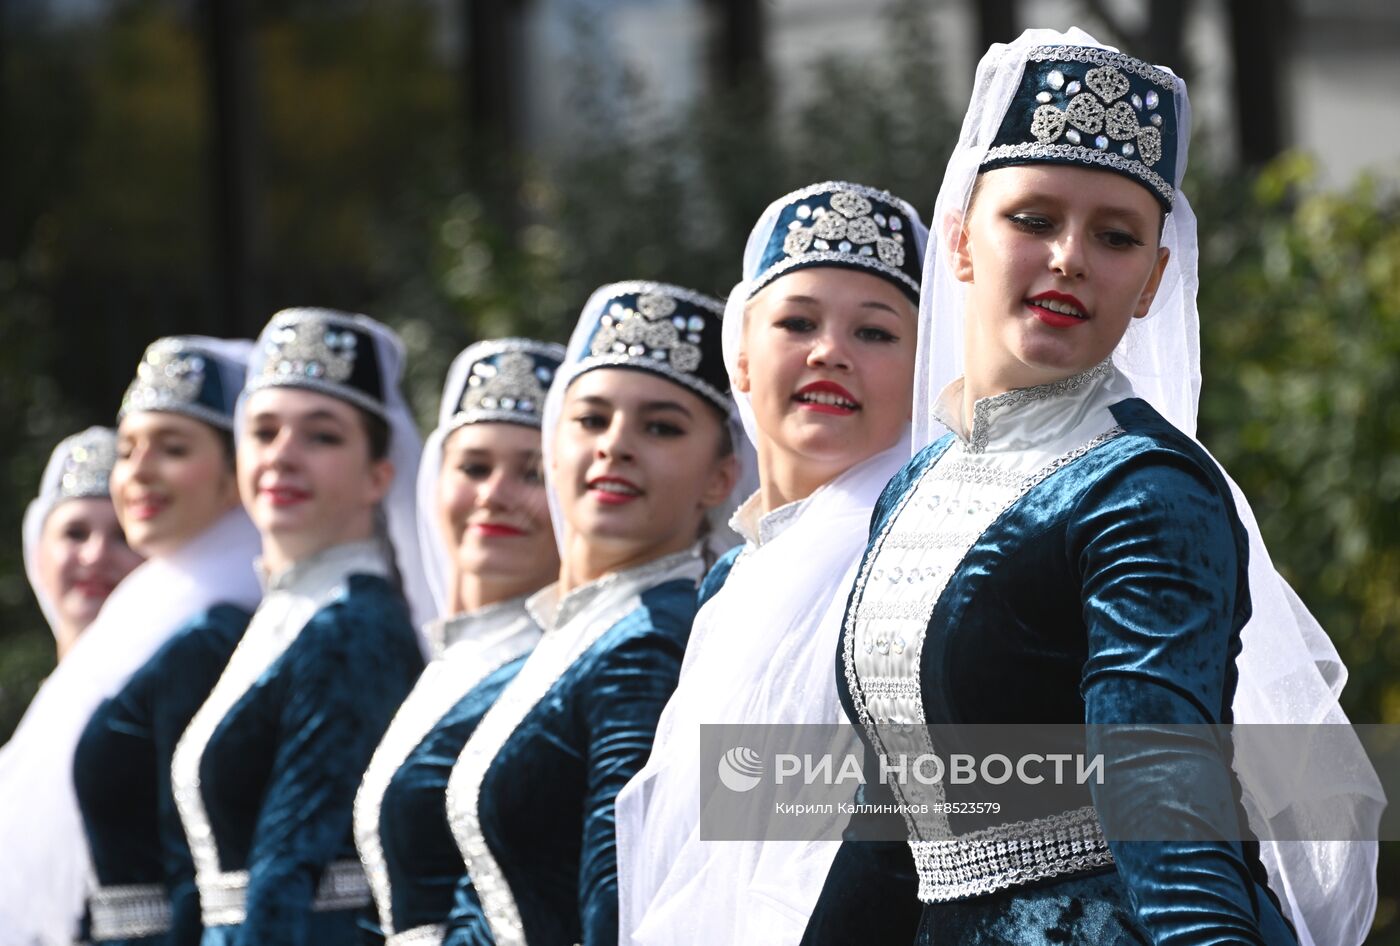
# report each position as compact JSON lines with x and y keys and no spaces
{"x":740,"y":769}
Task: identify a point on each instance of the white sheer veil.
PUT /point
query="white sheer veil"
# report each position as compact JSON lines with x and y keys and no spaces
{"x":45,"y":867}
{"x":1289,"y":670}
{"x":760,"y":651}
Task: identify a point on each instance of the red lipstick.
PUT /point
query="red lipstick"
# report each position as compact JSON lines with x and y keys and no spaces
{"x":613,"y":490}
{"x":1058,"y":309}
{"x":496,"y":530}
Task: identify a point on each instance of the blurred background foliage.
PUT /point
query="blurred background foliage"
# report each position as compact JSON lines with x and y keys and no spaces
{"x":370,"y":191}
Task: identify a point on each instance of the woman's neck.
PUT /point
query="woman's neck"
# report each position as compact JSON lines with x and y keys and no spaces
{"x":784,"y":478}
{"x":280,"y":552}
{"x":472,"y":591}
{"x":586,"y":559}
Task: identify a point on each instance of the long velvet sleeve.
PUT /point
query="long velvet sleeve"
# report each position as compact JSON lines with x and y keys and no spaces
{"x":189,"y":669}
{"x":620,"y":710}
{"x":1162,"y":568}
{"x":348,"y":672}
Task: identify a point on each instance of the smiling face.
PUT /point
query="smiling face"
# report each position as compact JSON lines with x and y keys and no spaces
{"x":1059,"y":260}
{"x":82,"y":555}
{"x":828,"y":363}
{"x":305,"y":473}
{"x":637,"y":462}
{"x":494,"y":513}
{"x":172,"y":480}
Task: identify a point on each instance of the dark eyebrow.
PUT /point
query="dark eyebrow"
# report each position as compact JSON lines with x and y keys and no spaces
{"x":319,"y":414}
{"x":876,"y":304}
{"x":666,"y":406}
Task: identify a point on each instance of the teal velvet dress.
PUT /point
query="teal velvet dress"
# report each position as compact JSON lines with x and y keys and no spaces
{"x":531,"y":800}
{"x":265,"y":776}
{"x":121,"y":773}
{"x":401,"y":829}
{"x":1072,"y":558}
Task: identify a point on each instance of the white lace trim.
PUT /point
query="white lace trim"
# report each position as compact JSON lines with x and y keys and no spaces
{"x":1104,"y":57}
{"x":223,"y":899}
{"x":899,"y":686}
{"x":1083,"y":154}
{"x":129,"y":911}
{"x":1009,"y":855}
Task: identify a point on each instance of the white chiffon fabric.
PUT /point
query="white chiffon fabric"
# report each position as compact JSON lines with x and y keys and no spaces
{"x":760,"y":651}
{"x":1289,"y":670}
{"x":720,"y":537}
{"x":37,"y":513}
{"x":45,"y":866}
{"x":400,"y":520}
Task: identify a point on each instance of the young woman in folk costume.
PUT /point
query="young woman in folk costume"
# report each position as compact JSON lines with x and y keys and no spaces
{"x":75,"y":553}
{"x":819,"y":343}
{"x":266,"y":773}
{"x":85,"y":775}
{"x":488,"y":543}
{"x":1078,"y":556}
{"x":638,"y":435}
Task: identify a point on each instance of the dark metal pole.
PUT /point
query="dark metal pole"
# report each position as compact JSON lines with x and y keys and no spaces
{"x":1258,"y":35}
{"x":228,"y":59}
{"x":996,"y":22}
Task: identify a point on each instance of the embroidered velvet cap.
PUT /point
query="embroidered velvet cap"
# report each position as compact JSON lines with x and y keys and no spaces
{"x":836,"y":223}
{"x":187,"y":374}
{"x":656,"y":327}
{"x":85,"y":464}
{"x":1096,"y":108}
{"x":503,"y":380}
{"x":323,"y":350}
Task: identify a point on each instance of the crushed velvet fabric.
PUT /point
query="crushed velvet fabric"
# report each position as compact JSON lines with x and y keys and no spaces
{"x":1113,"y":591}
{"x":424,"y":863}
{"x":121,"y":769}
{"x":280,"y":772}
{"x":546,"y":804}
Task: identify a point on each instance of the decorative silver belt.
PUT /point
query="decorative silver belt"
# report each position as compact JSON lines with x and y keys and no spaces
{"x":223,"y":899}
{"x":129,"y":911}
{"x":1010,"y":855}
{"x":430,"y":935}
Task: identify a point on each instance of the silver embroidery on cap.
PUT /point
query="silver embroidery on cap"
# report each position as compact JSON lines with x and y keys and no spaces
{"x":648,"y":331}
{"x":309,"y":346}
{"x":87,"y":465}
{"x":511,"y":387}
{"x":170,"y":378}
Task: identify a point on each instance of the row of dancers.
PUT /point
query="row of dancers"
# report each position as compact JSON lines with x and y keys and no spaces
{"x":323,"y":683}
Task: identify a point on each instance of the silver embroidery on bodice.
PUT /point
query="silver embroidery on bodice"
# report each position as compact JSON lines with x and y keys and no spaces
{"x":570,"y":627}
{"x":476,"y":645}
{"x":918,"y":551}
{"x":293,"y":597}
